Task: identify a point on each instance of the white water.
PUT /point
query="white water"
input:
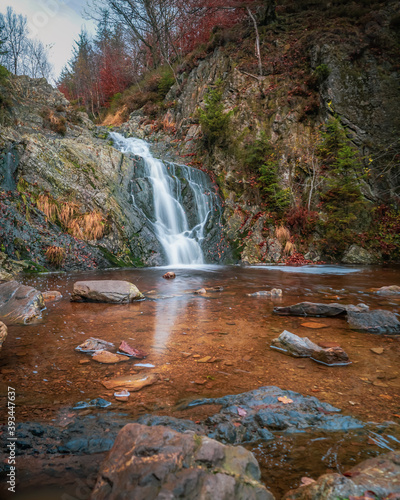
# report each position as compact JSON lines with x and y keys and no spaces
{"x":181,"y":243}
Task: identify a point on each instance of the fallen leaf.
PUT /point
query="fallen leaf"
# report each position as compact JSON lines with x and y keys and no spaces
{"x":377,"y":350}
{"x":285,"y":400}
{"x":241,"y":412}
{"x":312,"y":324}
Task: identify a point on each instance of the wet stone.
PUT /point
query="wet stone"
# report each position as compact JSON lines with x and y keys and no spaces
{"x":169,"y":275}
{"x":108,"y":291}
{"x":92,"y":344}
{"x":377,"y":321}
{"x":291,"y":344}
{"x":19,"y":304}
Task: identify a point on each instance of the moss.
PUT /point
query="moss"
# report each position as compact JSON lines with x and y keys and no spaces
{"x":31,"y":267}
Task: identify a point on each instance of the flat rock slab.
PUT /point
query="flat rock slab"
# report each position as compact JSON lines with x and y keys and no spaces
{"x":311,"y":309}
{"x":259,"y":414}
{"x":377,"y":321}
{"x":131,"y":382}
{"x":148,"y":463}
{"x":20,"y":304}
{"x":380,"y":475}
{"x":108,"y":291}
{"x":3,"y":333}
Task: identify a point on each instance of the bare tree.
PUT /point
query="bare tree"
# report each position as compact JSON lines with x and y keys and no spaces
{"x":35,"y":62}
{"x":16,"y":34}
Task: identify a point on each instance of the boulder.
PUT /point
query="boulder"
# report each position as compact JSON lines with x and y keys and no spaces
{"x":109,"y":291}
{"x":291,"y":344}
{"x":358,"y":255}
{"x":311,"y":309}
{"x":331,"y":356}
{"x":388,"y":291}
{"x":377,"y":321}
{"x":19,"y":304}
{"x":149,"y":463}
{"x":380,"y":475}
{"x":3,"y":333}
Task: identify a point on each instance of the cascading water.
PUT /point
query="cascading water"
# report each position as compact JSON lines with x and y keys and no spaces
{"x":180,"y":229}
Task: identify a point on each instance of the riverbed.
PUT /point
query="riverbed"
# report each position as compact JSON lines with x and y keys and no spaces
{"x":208,"y":345}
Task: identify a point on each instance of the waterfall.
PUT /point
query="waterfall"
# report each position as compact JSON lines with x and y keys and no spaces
{"x":177,"y":200}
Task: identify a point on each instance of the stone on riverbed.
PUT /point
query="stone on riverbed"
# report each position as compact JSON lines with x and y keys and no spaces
{"x":19,"y":304}
{"x":388,"y":291}
{"x":51,"y":296}
{"x":259,"y":414}
{"x":3,"y":333}
{"x":169,"y":275}
{"x":291,"y":344}
{"x":131,"y":382}
{"x":303,"y":347}
{"x":311,"y":309}
{"x":319,"y":310}
{"x":92,"y":344}
{"x":275,"y":292}
{"x":377,"y":321}
{"x":165,"y":464}
{"x":108,"y":291}
{"x":109,"y":357}
{"x":380,"y":475}
{"x":331,"y":356}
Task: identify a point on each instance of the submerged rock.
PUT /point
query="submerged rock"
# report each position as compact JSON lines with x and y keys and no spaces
{"x":131,"y":351}
{"x":311,"y":309}
{"x":165,"y":464}
{"x":94,"y":403}
{"x":169,"y":275}
{"x":3,"y":334}
{"x":380,"y":476}
{"x":377,"y":321}
{"x":109,"y":357}
{"x":275,"y":292}
{"x":51,"y":296}
{"x":19,"y":304}
{"x":131,"y":382}
{"x":389,"y":290}
{"x":109,"y":291}
{"x":92,"y":344}
{"x":291,"y":344}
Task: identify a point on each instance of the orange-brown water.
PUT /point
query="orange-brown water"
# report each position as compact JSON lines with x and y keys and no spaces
{"x":177,"y":329}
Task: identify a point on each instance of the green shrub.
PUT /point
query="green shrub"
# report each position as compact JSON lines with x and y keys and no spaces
{"x":214,"y":121}
{"x":166,"y":81}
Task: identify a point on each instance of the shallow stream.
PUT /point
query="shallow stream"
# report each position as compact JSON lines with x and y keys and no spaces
{"x":179,"y":329}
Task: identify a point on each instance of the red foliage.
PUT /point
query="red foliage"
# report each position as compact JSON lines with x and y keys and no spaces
{"x":297,"y":259}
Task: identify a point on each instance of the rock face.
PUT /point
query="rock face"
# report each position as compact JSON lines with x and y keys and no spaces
{"x":311,"y":309}
{"x":291,"y":344}
{"x":3,"y":334}
{"x":358,"y":255}
{"x":109,"y":291}
{"x":377,"y":321}
{"x":380,"y":475}
{"x":153,"y":463}
{"x":20,"y":304}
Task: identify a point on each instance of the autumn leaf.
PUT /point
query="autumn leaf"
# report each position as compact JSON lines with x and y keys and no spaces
{"x":285,"y":400}
{"x":241,"y":412}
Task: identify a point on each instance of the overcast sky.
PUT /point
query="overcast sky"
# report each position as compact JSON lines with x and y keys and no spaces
{"x":54,"y":22}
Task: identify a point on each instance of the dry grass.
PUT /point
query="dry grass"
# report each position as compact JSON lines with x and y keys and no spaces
{"x":282,"y":233}
{"x":55,"y":255}
{"x":93,"y":226}
{"x":289,"y":249}
{"x":68,"y":213}
{"x":168,"y":125}
{"x":48,"y":206}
